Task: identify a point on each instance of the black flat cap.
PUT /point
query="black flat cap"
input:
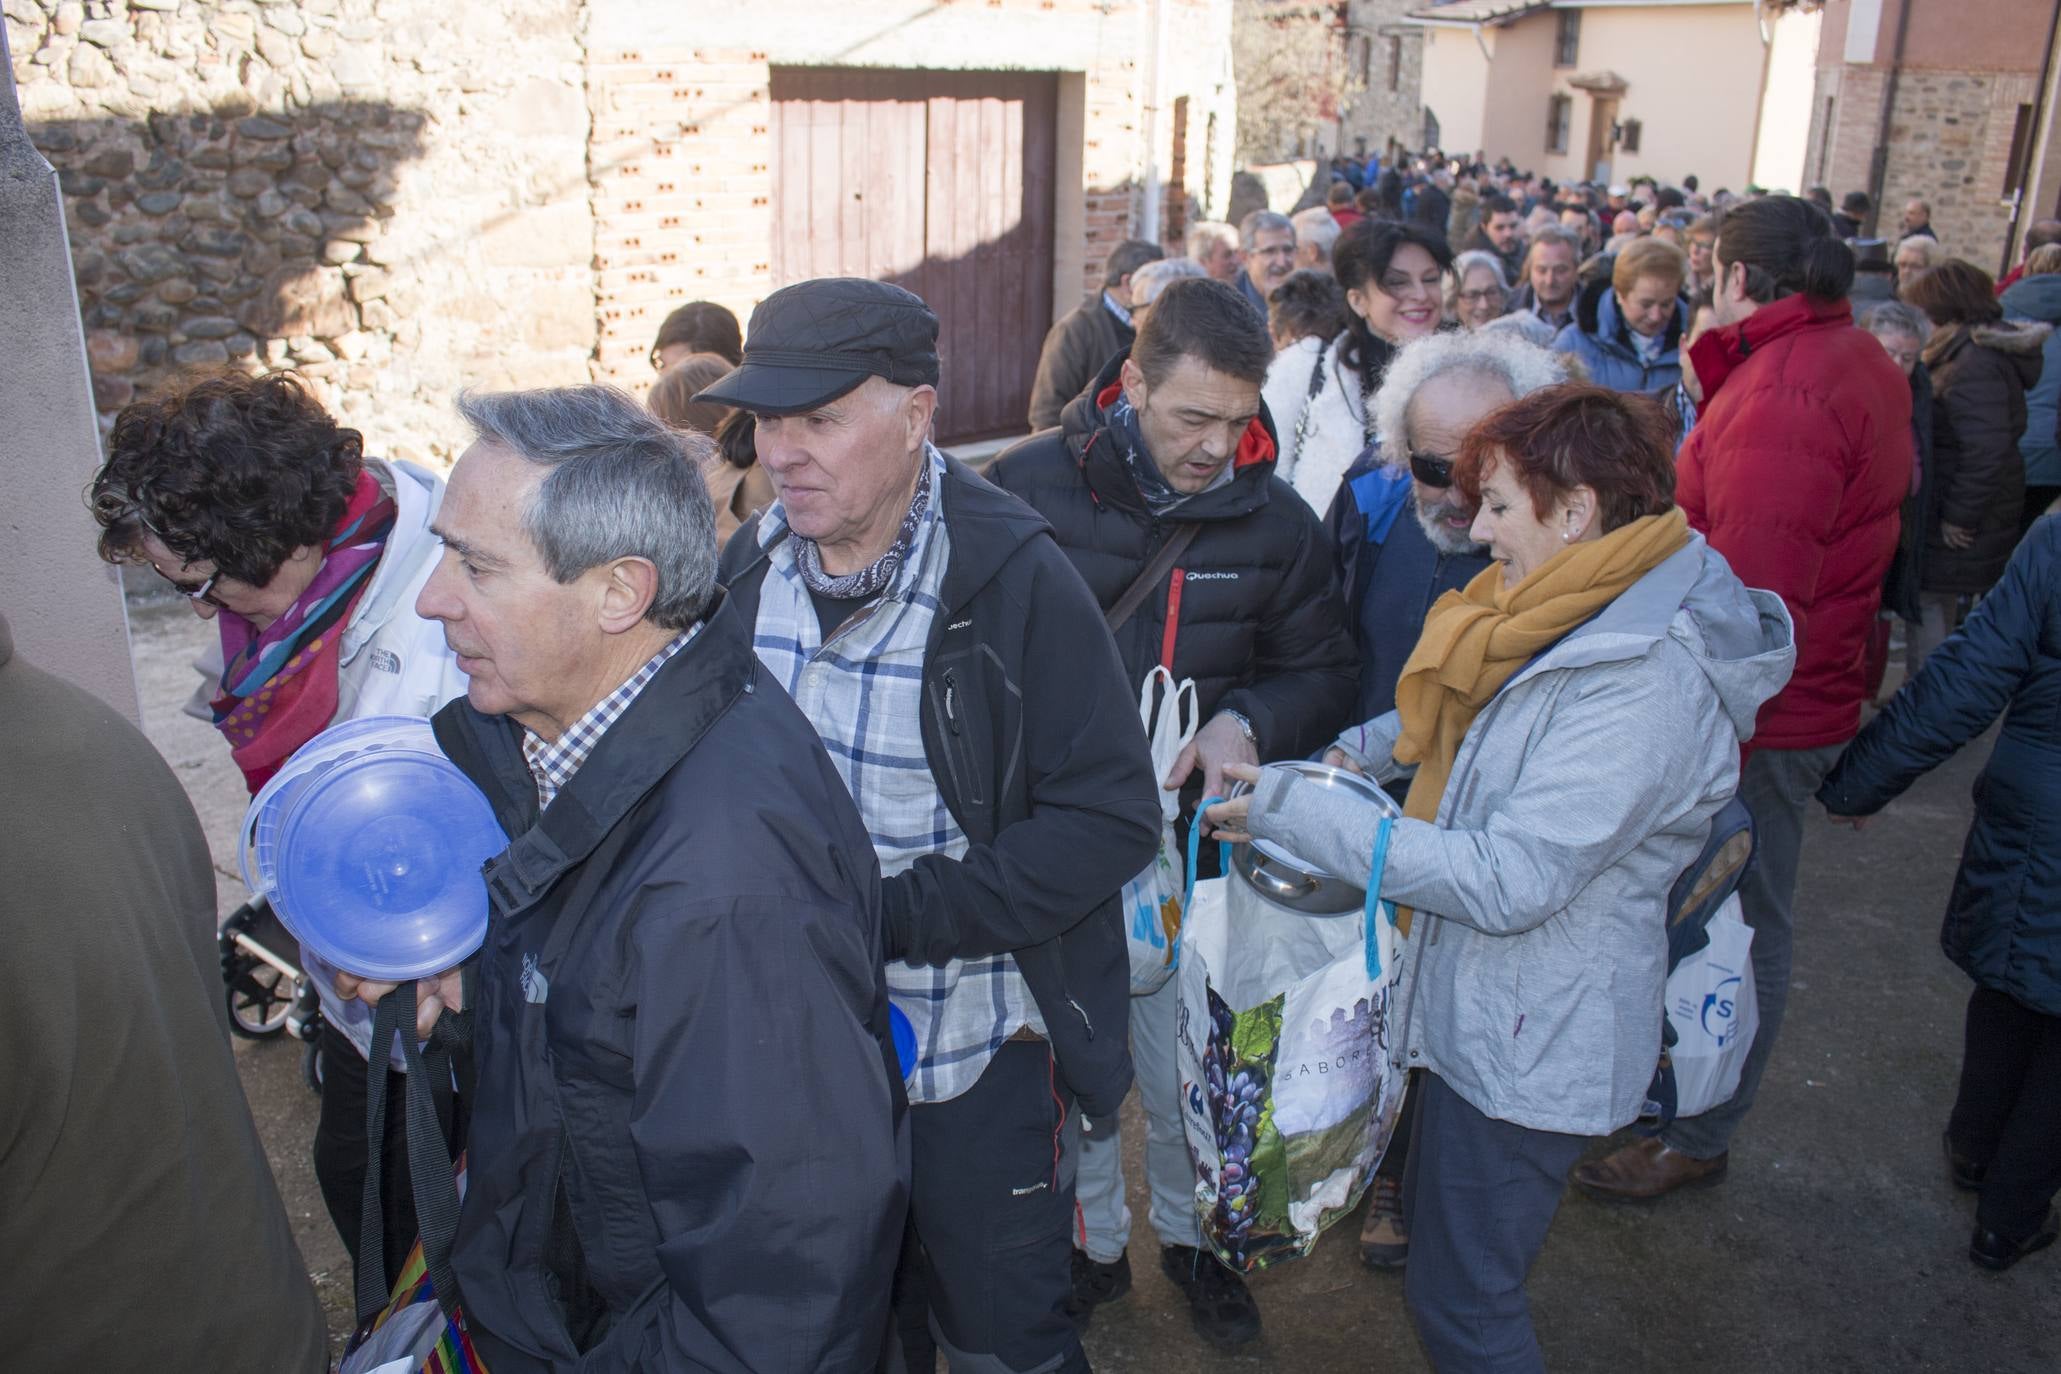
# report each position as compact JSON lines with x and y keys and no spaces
{"x":812,"y":342}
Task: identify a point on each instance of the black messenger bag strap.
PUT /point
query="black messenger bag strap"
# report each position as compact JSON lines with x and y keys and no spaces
{"x":1162,"y":563}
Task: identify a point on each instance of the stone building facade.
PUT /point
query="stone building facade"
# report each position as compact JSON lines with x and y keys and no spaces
{"x":1964,"y":126}
{"x":1387,"y":59}
{"x":400,"y":198}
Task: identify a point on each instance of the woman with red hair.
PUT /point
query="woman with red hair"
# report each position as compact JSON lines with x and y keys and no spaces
{"x":1571,"y":721}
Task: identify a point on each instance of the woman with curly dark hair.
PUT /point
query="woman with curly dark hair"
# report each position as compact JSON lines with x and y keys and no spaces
{"x":246,"y":496}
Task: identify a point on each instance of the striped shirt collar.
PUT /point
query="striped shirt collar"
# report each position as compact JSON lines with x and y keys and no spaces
{"x":552,"y":763}
{"x":1122,"y":314}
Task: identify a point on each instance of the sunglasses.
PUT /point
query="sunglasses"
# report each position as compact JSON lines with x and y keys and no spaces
{"x":1430,"y":469}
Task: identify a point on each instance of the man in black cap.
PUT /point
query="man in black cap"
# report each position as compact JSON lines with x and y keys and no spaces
{"x":960,"y":674}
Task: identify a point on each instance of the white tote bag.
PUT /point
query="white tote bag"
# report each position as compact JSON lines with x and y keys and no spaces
{"x":1152,"y":901}
{"x":1711,"y":1005}
{"x":1288,"y":1098}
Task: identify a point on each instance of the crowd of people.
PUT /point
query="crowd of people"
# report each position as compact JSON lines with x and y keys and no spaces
{"x":798,"y":724}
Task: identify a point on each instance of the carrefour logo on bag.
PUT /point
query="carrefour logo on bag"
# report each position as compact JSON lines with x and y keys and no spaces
{"x":1720,"y":1012}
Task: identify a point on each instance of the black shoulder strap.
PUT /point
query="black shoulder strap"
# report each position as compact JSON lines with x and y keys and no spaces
{"x":1119,"y":615}
{"x":429,"y":1157}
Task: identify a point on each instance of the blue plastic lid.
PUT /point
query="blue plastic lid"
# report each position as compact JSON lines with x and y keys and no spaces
{"x":905,"y":1039}
{"x":377,"y":863}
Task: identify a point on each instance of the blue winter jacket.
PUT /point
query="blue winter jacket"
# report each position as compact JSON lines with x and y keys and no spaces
{"x":2003,"y":921}
{"x":1602,"y":341}
{"x":2039,"y":298}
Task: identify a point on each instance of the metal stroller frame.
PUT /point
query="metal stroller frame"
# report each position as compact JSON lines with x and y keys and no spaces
{"x":264,"y":988}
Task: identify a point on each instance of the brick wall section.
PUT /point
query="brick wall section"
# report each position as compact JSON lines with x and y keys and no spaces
{"x":681,"y":158}
{"x":680,"y":166}
{"x":389,"y":197}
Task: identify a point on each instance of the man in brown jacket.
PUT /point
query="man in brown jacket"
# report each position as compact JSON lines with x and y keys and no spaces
{"x":140,"y":1221}
{"x":1096,"y":331}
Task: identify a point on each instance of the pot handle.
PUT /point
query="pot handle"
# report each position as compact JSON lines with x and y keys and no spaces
{"x":1280,"y":889}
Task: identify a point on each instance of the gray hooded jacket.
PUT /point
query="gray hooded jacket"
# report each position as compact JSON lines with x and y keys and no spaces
{"x":1532,"y":979}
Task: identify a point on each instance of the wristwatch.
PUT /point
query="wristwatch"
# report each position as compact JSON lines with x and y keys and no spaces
{"x":1244,"y":724}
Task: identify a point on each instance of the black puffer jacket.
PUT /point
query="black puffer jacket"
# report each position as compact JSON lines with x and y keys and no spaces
{"x":1255,"y":615}
{"x":1980,"y":375}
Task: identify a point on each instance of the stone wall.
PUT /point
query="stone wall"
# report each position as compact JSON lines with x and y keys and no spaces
{"x":388,"y":195}
{"x":1949,"y":145}
{"x":1375,"y":112}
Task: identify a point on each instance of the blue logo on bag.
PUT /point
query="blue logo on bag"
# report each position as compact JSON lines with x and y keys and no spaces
{"x":1720,"y":1012}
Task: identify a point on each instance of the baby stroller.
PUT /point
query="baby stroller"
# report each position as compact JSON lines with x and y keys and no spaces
{"x":265,"y":989}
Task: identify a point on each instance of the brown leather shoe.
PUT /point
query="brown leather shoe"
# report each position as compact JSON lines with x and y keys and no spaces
{"x":1645,"y":1169}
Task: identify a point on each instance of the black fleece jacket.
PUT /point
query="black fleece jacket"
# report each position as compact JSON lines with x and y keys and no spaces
{"x":1031,"y":733}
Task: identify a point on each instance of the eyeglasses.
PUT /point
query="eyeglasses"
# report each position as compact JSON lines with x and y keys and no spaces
{"x":1484,"y":294}
{"x":204,"y":592}
{"x":1430,"y":469}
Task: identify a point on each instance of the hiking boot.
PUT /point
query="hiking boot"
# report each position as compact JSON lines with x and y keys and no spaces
{"x":1095,"y":1283}
{"x":1644,"y":1170}
{"x":1219,"y":1303}
{"x":1384,"y":1241}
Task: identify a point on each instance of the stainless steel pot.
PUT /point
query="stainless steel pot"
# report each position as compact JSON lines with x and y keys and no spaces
{"x":1287,"y":881}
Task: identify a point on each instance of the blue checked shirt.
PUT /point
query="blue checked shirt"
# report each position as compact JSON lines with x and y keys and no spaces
{"x":553,"y":763}
{"x":863,"y":691}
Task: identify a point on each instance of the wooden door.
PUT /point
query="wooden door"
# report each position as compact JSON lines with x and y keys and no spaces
{"x":1602,"y":138}
{"x":941,"y":182}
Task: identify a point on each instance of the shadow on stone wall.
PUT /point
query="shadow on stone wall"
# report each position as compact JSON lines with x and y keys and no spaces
{"x":205,"y":238}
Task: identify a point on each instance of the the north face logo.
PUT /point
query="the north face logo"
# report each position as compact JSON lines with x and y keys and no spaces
{"x":386,"y":661}
{"x":535,"y":986}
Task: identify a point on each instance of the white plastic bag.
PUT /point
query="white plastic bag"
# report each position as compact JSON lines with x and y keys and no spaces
{"x":1152,"y":900}
{"x":1288,"y":1096}
{"x":1711,"y":1005}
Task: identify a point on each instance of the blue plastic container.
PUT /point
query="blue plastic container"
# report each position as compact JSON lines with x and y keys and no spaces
{"x":370,"y":843}
{"x":905,"y":1039}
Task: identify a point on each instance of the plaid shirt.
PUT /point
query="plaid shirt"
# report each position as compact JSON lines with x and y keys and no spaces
{"x":553,"y":763}
{"x":863,"y":691}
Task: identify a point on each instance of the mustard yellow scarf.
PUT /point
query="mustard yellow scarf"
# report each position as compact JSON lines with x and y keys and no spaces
{"x":1477,"y":638}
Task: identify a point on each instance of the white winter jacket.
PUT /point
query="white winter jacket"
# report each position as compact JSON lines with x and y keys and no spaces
{"x":1321,"y":434}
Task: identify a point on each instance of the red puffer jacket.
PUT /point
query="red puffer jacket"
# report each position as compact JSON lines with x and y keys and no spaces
{"x":1795,"y":472}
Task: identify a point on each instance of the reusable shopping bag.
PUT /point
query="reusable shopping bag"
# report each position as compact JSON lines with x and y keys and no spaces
{"x":1288,"y":1096}
{"x":1152,"y":901}
{"x":1711,"y":1005}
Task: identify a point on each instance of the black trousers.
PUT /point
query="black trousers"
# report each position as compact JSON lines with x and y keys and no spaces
{"x":987,"y":1271}
{"x":2008,"y":1112}
{"x":340,"y":1152}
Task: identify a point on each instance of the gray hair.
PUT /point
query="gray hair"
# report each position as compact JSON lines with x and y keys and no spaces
{"x":1467,"y":262}
{"x":1504,"y":356}
{"x":1927,"y":247}
{"x":1259,"y":222}
{"x":620,"y":484}
{"x":1315,"y":225}
{"x":1206,"y":234}
{"x":1896,"y":317}
{"x":1154,"y":277}
{"x":1553,"y":233}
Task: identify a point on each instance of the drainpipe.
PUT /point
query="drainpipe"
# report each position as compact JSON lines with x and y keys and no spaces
{"x":1878,"y":165}
{"x":2036,"y":138}
{"x":1155,"y":97}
